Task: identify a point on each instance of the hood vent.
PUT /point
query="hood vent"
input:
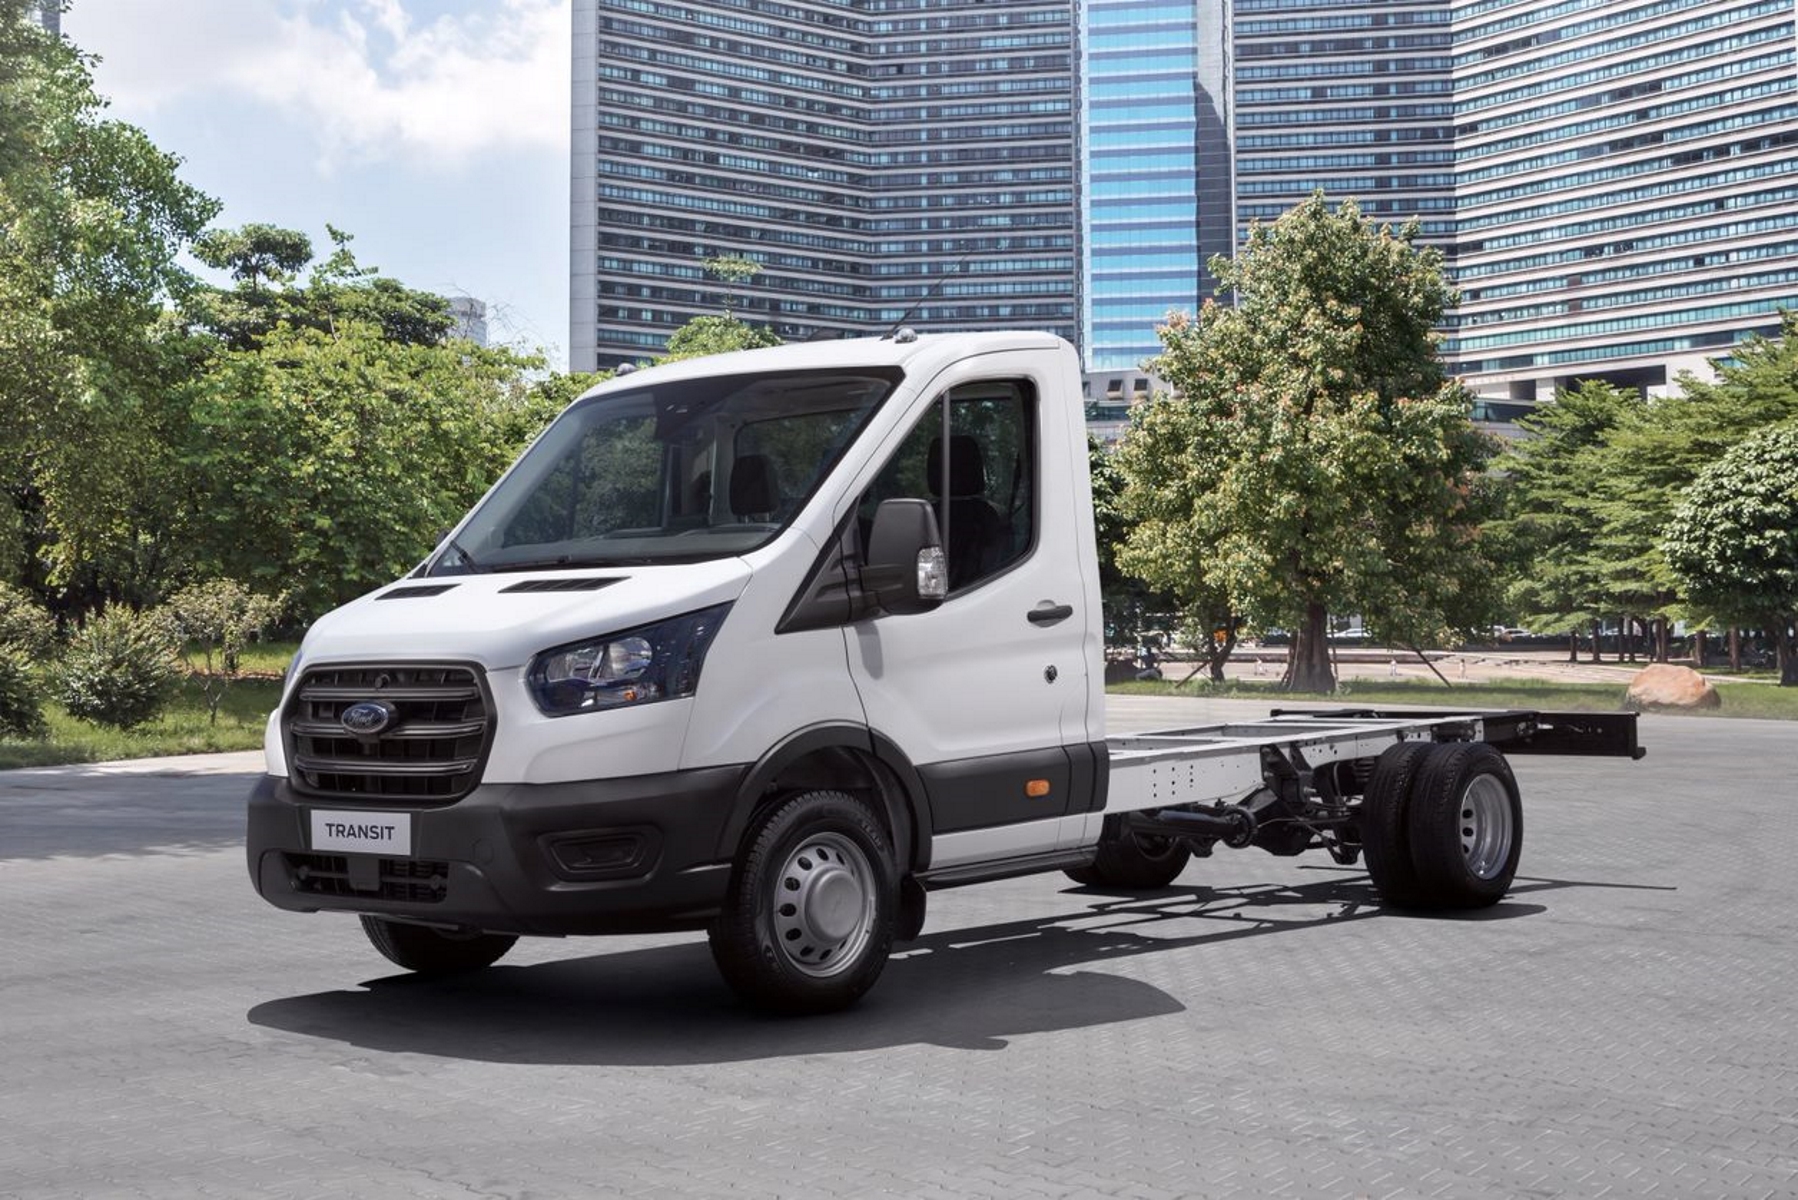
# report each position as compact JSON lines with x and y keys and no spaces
{"x":415,"y":592}
{"x":590,"y":583}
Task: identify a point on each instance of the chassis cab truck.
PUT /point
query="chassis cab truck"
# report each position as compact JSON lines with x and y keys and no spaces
{"x":772,"y":644}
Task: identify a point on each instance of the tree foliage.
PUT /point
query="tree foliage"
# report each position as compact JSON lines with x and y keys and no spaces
{"x":120,"y":669}
{"x":92,"y":219}
{"x":705,"y":335}
{"x":334,"y":460}
{"x":1733,"y":539}
{"x":1554,"y":522}
{"x":1314,"y":459}
{"x":1596,"y":483}
{"x":212,"y":623}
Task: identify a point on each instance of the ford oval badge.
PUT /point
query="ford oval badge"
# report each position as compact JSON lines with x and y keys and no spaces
{"x":368,"y":718}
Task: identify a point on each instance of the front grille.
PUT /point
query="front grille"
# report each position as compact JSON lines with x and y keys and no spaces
{"x":430,"y":751}
{"x":417,"y":881}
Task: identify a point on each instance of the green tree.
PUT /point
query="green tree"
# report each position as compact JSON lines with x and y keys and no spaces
{"x":716,"y":335}
{"x":1314,"y":458}
{"x":1553,"y":522}
{"x":733,"y":271}
{"x":275,"y":287}
{"x":1733,"y":539}
{"x":212,"y":623}
{"x":1149,"y":572}
{"x":1660,"y":449}
{"x":92,"y":218}
{"x":329,"y":462}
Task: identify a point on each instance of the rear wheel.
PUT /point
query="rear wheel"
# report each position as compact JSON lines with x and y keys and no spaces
{"x":431,"y":951}
{"x":813,"y":906}
{"x":1385,"y":831}
{"x":1134,"y":861}
{"x":1466,"y":825}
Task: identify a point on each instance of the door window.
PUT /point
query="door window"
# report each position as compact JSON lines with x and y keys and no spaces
{"x":973,"y":456}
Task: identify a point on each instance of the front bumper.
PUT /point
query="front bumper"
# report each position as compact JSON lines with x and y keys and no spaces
{"x":630,"y":855}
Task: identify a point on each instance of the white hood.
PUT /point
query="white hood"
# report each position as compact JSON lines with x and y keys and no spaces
{"x":500,"y":621}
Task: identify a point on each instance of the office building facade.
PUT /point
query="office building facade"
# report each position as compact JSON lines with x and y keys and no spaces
{"x":881,"y":161}
{"x":1612,"y":182}
{"x":1626,"y":187}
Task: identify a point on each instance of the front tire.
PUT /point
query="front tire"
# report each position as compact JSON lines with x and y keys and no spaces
{"x":812,"y":909}
{"x":431,"y":951}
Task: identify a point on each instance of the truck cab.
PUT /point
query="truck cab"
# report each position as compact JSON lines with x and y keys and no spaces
{"x":757,"y":643}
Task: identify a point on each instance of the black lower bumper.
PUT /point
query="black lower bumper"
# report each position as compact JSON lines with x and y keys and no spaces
{"x":606,"y":856}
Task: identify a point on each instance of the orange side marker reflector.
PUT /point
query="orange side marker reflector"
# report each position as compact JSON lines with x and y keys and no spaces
{"x":1037,"y":787}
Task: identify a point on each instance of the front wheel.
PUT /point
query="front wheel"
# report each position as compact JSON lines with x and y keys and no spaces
{"x":813,"y":906}
{"x":431,"y":951}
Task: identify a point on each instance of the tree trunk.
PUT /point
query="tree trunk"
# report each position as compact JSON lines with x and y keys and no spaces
{"x":1787,"y":652}
{"x":1217,"y":654}
{"x":1698,"y":649}
{"x":1735,"y":649}
{"x":1597,"y":634}
{"x":1573,"y":645}
{"x":1308,"y":660}
{"x":1626,"y":627}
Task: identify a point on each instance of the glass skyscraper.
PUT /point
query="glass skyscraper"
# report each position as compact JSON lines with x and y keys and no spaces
{"x":1626,"y":186}
{"x":1156,"y":181}
{"x":1614,"y":183}
{"x":1353,"y":98}
{"x":881,"y":160}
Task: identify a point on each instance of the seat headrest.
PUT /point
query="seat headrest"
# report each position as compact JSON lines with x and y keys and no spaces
{"x":753,"y":488}
{"x":967,"y":467}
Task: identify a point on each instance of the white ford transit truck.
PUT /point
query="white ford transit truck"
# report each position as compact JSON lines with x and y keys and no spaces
{"x":773,"y":644}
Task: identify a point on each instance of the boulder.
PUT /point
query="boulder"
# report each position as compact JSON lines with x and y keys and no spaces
{"x":1664,"y":685}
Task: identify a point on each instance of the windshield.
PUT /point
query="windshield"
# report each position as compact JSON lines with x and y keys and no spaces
{"x":676,"y":472}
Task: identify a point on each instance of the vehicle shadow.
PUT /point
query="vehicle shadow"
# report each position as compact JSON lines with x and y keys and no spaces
{"x":966,"y":988}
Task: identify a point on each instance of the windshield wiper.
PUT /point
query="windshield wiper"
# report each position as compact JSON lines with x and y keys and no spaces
{"x":468,"y":562}
{"x":536,"y":564}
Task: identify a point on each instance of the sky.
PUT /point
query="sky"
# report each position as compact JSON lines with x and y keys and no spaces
{"x":433,"y":131}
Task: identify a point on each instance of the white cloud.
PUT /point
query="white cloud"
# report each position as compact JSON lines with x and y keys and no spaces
{"x":371,"y":79}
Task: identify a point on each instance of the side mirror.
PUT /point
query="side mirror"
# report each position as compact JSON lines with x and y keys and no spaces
{"x":906,"y":570}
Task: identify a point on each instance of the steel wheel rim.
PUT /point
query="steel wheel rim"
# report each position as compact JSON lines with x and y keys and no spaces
{"x":824,"y":901}
{"x":1486,"y":826}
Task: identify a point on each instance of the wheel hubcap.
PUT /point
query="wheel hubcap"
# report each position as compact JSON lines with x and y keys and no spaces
{"x":823,"y":905}
{"x":1486,"y":827}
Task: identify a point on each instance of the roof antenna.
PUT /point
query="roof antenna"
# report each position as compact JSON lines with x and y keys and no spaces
{"x":929,"y":294}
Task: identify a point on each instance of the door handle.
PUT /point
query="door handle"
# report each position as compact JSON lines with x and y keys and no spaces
{"x":1048,"y":614}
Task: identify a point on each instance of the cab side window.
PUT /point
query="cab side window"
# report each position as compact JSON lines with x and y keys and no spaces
{"x":973,"y":456}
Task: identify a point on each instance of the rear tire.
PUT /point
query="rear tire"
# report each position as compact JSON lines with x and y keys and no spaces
{"x":1133,"y":861}
{"x":1385,"y":831}
{"x":1466,"y":821}
{"x":812,"y":909}
{"x":435,"y":951}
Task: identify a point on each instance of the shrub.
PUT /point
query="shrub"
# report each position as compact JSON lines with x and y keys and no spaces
{"x":21,"y":706}
{"x":216,"y":620}
{"x":120,"y":670}
{"x":25,"y":625}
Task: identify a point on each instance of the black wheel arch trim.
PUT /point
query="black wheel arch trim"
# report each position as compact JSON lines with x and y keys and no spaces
{"x":901,"y":788}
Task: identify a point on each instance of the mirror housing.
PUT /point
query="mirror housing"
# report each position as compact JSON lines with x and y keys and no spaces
{"x":906,"y":570}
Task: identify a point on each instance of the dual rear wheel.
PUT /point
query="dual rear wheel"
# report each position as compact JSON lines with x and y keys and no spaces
{"x":1442,"y":825}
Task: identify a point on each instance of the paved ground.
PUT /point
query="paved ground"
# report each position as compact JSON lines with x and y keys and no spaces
{"x":1621,"y":1026}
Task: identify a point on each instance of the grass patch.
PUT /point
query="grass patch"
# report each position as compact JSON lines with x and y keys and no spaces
{"x":183,"y":728}
{"x":1739,"y":700}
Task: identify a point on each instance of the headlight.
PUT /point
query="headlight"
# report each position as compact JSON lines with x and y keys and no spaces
{"x":638,"y":666}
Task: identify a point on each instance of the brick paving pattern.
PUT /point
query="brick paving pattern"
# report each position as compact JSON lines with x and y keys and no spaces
{"x":1620,"y":1026}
